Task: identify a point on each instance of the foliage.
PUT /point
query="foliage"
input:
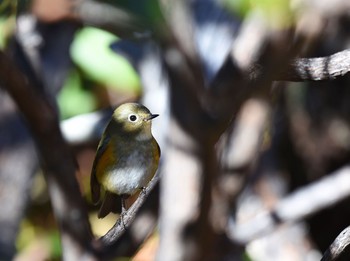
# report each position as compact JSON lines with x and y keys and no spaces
{"x":276,"y":12}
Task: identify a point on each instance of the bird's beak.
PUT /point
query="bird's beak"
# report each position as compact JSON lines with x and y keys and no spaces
{"x":151,"y":117}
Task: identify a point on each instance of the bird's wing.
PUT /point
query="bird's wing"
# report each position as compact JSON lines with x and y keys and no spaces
{"x":159,"y":152}
{"x":94,"y":184}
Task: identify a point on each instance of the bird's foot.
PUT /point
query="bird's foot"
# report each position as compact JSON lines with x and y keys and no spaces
{"x":122,"y":218}
{"x":143,"y":190}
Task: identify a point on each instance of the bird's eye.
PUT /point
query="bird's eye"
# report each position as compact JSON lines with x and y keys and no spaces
{"x":132,"y":117}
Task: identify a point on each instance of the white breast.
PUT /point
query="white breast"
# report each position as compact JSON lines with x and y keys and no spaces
{"x":134,"y":172}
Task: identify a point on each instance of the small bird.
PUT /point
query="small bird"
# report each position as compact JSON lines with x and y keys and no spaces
{"x":127,"y":157}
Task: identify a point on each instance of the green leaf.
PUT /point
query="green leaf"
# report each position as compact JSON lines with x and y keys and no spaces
{"x":91,"y":52}
{"x":73,"y":99}
{"x":277,"y":13}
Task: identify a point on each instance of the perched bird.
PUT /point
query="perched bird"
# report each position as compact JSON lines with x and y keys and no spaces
{"x":127,"y":157}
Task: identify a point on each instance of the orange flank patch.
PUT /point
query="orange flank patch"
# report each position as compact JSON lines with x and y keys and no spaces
{"x":106,"y":161}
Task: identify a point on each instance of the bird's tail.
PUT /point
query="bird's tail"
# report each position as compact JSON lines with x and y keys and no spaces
{"x":111,"y":203}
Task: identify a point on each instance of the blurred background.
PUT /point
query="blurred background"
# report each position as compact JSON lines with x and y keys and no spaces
{"x":279,"y":136}
{"x":89,"y":77}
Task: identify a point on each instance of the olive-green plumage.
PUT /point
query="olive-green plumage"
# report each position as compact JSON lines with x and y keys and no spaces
{"x":127,"y":157}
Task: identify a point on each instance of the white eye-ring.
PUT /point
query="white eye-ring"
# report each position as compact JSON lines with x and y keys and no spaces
{"x":133,"y":117}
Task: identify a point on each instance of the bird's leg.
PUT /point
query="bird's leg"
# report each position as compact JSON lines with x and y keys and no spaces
{"x":124,"y":211}
{"x":124,"y":197}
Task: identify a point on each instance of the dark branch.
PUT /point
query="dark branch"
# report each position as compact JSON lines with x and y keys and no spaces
{"x":56,"y":159}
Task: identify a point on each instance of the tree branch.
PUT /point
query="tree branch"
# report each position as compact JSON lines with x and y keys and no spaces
{"x":298,"y":205}
{"x":120,"y":227}
{"x":139,"y":223}
{"x":18,"y":165}
{"x":317,"y":69}
{"x":185,"y":215}
{"x":110,"y":18}
{"x":339,"y":245}
{"x":56,"y":160}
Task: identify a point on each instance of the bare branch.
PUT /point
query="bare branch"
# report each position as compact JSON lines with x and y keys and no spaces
{"x":300,"y":204}
{"x":243,"y":146}
{"x":56,"y":160}
{"x":109,"y":17}
{"x":185,"y":215}
{"x":18,"y":164}
{"x":318,"y":69}
{"x":139,"y":223}
{"x":337,"y":248}
{"x":179,"y":18}
{"x":119,"y":228}
{"x":250,"y":42}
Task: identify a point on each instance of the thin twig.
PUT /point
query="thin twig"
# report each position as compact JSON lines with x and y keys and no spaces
{"x":120,"y":227}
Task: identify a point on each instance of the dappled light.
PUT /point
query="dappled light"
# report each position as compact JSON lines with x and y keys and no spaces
{"x":253,"y":130}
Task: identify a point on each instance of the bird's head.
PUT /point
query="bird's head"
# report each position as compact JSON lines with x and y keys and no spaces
{"x":133,"y":119}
